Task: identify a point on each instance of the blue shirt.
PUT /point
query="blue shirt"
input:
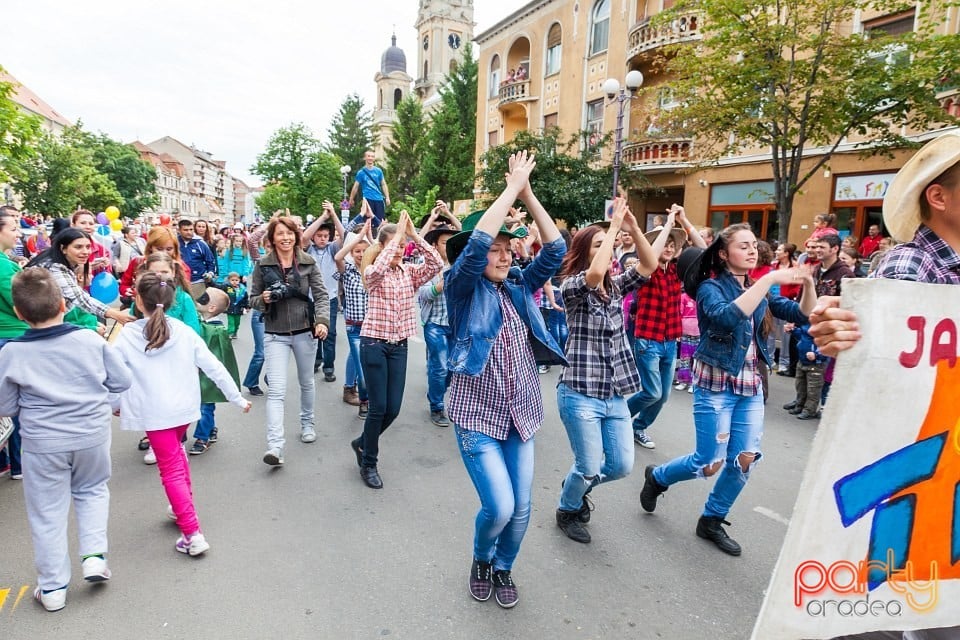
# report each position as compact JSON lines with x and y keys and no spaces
{"x":370,"y":180}
{"x":198,"y":257}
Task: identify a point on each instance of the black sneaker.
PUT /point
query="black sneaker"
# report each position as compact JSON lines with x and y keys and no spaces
{"x":214,"y":436}
{"x":586,"y":504}
{"x":504,"y":589}
{"x":806,"y":415}
{"x":651,"y":490}
{"x":790,"y":405}
{"x":255,"y":391}
{"x":364,"y":409}
{"x":569,"y":523}
{"x":199,"y":447}
{"x":481,"y":581}
{"x":709,"y":528}
{"x":796,"y":410}
{"x":329,"y":377}
{"x":439,"y":418}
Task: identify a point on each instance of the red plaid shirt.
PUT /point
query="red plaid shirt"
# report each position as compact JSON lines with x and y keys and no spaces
{"x":658,"y":306}
{"x":392,"y":290}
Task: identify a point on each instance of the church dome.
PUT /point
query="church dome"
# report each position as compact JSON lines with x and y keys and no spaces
{"x":393,"y":59}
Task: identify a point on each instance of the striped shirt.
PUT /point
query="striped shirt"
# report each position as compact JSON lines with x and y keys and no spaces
{"x":600,"y":362}
{"x":506,"y":394}
{"x":354,"y":295}
{"x":73,"y":293}
{"x":746,"y":383}
{"x":392,"y":290}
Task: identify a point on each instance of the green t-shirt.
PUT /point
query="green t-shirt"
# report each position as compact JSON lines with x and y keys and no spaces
{"x":10,"y":325}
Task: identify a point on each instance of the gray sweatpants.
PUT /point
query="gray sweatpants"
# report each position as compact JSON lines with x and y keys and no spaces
{"x":50,"y":480}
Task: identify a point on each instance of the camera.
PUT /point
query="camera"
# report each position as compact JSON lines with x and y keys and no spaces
{"x":279,"y":291}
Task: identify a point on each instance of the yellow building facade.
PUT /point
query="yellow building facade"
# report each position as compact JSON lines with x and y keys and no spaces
{"x":568,"y":48}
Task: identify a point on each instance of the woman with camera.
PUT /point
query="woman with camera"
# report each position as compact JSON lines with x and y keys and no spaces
{"x":287,"y":288}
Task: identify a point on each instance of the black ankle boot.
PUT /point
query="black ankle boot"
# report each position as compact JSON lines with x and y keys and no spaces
{"x":569,"y":523}
{"x":709,"y":528}
{"x":651,"y":490}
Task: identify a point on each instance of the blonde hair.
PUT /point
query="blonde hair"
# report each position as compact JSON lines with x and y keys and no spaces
{"x":386,"y":234}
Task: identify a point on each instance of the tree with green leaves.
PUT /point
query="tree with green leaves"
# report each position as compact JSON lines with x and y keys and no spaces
{"x":792,"y":76}
{"x":569,"y":185}
{"x":134,"y":177}
{"x":62,"y":176}
{"x":448,"y":153}
{"x":299,"y":174}
{"x":351,"y":133}
{"x":18,"y":131}
{"x":405,"y":150}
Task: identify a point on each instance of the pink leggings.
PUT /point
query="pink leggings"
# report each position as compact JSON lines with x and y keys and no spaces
{"x":175,"y":475}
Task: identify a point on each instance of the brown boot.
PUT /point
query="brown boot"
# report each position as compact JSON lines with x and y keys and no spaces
{"x":351,"y":397}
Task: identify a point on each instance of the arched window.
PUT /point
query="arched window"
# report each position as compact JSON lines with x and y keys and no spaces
{"x":495,"y":76}
{"x":397,"y":97}
{"x":380,"y":103}
{"x":553,"y":49}
{"x":600,"y":32}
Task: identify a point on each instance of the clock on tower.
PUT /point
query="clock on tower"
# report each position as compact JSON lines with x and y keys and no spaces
{"x":454,"y":41}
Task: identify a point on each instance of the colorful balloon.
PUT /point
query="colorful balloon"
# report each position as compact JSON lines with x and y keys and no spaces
{"x":112,"y":212}
{"x":102,"y":218}
{"x":164,"y":219}
{"x":104,"y":287}
{"x":103,"y":230}
{"x":116,"y":225}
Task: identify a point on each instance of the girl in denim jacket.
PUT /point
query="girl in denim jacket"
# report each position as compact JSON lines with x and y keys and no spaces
{"x":728,"y":389}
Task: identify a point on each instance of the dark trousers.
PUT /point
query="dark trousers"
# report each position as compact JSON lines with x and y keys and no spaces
{"x":327,"y":348}
{"x":809,"y":383}
{"x":385,"y":373}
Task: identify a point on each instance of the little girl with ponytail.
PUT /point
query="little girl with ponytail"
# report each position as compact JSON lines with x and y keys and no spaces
{"x":163,"y":400}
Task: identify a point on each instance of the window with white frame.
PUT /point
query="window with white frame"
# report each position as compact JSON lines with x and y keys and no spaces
{"x":495,"y":76}
{"x":594,"y":125}
{"x":600,"y":30}
{"x":554,"y":49}
{"x":893,"y":55}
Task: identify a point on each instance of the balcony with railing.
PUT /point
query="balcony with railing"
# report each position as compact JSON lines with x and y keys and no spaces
{"x":514,"y":92}
{"x":658,"y":152}
{"x":644,"y":37}
{"x":948,"y":93}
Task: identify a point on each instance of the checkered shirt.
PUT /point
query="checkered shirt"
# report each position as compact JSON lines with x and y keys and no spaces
{"x":600,"y":362}
{"x":746,"y":383}
{"x":354,"y":295}
{"x":658,"y":306}
{"x":926,"y":259}
{"x":507,"y":392}
{"x":73,"y":293}
{"x":392,"y":291}
{"x":437,"y":313}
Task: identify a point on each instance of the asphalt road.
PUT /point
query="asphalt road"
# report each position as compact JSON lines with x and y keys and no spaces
{"x":307,"y":551}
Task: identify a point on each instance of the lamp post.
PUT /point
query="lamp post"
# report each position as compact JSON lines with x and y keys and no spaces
{"x":620,"y":96}
{"x":344,"y":204}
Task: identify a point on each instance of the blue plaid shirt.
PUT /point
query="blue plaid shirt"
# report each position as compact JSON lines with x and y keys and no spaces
{"x":354,"y":293}
{"x":927,"y":258}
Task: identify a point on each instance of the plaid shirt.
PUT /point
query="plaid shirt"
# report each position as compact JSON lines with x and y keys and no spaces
{"x":926,"y":259}
{"x":507,"y":392}
{"x":746,"y":383}
{"x":433,"y":304}
{"x":73,"y":294}
{"x":658,"y":306}
{"x":390,"y":314}
{"x":600,"y":362}
{"x":354,"y":295}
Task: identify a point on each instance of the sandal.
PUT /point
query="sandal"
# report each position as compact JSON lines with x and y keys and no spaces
{"x":144,"y":444}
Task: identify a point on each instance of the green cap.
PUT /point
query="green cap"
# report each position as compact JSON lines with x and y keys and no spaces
{"x":456,"y":243}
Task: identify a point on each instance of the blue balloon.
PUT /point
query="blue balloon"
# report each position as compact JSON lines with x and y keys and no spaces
{"x":104,"y":287}
{"x":103,"y":230}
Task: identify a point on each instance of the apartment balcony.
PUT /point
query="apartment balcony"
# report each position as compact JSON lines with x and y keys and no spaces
{"x":644,"y":38}
{"x":949,"y":96}
{"x":514,"y":92}
{"x":663,"y":153}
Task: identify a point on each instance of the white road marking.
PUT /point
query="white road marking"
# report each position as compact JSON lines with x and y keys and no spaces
{"x":773,"y":515}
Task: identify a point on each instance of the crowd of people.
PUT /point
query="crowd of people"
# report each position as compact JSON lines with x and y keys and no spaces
{"x":629,"y":314}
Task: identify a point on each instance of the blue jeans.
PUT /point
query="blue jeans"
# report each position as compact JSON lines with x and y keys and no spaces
{"x":327,"y":348}
{"x":385,"y":368}
{"x":502,"y":473}
{"x":437,"y":338}
{"x":557,"y":325}
{"x":655,"y":363}
{"x":727,"y":425}
{"x":252,"y":379}
{"x":354,"y":373}
{"x":602,"y":442}
{"x":206,"y":423}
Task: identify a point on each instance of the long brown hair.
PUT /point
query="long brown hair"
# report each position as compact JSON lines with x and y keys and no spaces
{"x":577,"y":259}
{"x":717,"y":265}
{"x":179,"y":277}
{"x":155,"y":294}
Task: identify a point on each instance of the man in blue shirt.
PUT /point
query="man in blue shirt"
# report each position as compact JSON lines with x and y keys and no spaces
{"x":197,"y":255}
{"x":374,"y":188}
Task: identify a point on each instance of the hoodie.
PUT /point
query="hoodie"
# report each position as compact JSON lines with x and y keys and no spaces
{"x":166,"y":384}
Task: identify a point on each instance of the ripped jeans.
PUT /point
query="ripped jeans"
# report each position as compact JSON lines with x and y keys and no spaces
{"x":727,"y":425}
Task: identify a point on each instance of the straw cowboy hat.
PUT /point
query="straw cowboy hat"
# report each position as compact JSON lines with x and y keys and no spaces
{"x":901,"y":204}
{"x":679,"y":235}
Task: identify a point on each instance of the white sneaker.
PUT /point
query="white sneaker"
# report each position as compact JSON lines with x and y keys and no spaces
{"x":308,"y":435}
{"x":95,"y":569}
{"x":170,"y":513}
{"x":53,"y":601}
{"x":194,"y":546}
{"x":150,"y":457}
{"x":690,"y":389}
{"x":680,"y":386}
{"x":273,"y":457}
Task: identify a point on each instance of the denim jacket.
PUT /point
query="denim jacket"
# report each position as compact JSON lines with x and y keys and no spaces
{"x":474,"y":307}
{"x":725,"y":330}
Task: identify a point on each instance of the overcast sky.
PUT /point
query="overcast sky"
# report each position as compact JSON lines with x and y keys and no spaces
{"x":218,"y":74}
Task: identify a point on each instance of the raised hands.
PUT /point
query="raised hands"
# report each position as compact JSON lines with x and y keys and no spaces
{"x":521,"y":166}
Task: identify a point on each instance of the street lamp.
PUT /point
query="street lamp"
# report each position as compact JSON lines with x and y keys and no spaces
{"x":344,"y":204}
{"x":621,"y":96}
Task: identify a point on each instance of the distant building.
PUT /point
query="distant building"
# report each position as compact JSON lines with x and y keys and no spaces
{"x":211,"y":184}
{"x":174,"y":188}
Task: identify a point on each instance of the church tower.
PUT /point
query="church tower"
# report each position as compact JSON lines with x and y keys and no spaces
{"x":444,"y":27}
{"x":393,"y":85}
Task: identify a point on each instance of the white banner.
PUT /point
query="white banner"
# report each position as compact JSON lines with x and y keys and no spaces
{"x":874,"y":541}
